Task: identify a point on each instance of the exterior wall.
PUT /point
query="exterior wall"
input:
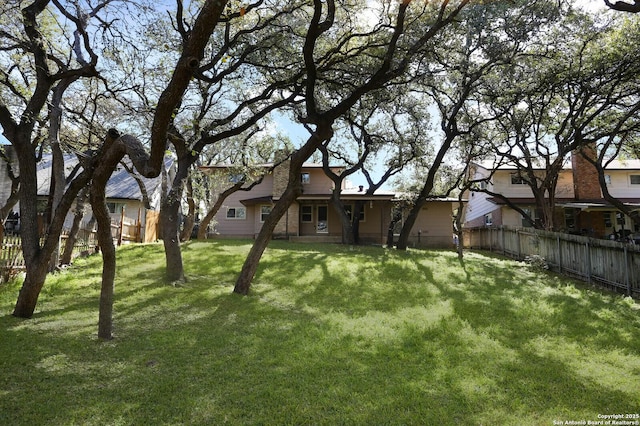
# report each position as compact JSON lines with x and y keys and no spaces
{"x":477,"y":207}
{"x":373,"y":229}
{"x":242,"y":227}
{"x":376,"y":222}
{"x":510,"y":217}
{"x":288,"y":226}
{"x":565,"y":187}
{"x":434,"y":226}
{"x":319,"y":183}
{"x":621,"y":186}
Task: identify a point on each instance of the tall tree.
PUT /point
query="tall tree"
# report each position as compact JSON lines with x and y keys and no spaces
{"x":217,"y":105}
{"x":335,"y":51}
{"x":27,"y":84}
{"x":570,"y":92}
{"x":390,"y":131}
{"x":460,"y":67}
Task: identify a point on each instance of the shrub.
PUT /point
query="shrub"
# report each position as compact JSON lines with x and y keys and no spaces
{"x":536,"y":262}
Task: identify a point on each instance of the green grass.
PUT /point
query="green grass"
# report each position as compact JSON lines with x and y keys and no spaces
{"x":329,"y":335}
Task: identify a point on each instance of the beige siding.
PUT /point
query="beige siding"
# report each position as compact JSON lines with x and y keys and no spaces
{"x":621,"y":186}
{"x":434,"y":226}
{"x":319,"y":183}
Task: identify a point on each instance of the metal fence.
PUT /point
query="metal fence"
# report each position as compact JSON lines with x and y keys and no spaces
{"x":609,"y":264}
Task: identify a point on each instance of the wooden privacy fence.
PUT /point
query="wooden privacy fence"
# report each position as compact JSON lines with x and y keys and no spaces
{"x":609,"y":264}
{"x":11,"y":248}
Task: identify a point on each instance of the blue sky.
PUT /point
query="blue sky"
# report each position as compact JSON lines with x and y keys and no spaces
{"x":3,"y":140}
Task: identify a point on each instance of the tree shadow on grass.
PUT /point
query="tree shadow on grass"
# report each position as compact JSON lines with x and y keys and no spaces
{"x":298,"y":350}
{"x":547,"y":330}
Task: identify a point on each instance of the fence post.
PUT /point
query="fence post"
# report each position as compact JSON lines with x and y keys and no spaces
{"x":490,"y":239}
{"x":518,"y":253}
{"x":588,"y":261}
{"x":559,"y":253}
{"x":627,"y":281}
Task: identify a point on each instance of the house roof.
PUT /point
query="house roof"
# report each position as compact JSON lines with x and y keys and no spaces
{"x":121,"y":185}
{"x":265,"y":165}
{"x":630,"y":164}
{"x":569,"y":202}
{"x":623,"y":165}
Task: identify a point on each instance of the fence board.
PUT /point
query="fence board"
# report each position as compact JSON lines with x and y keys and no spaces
{"x":607,"y":263}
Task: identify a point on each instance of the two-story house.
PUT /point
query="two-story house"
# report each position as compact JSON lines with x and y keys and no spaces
{"x":579,"y":205}
{"x":310,"y":217}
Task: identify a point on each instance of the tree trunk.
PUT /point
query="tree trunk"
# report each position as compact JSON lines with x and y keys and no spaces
{"x":355,"y":221}
{"x":403,"y":238}
{"x":250,"y":266}
{"x":170,"y":220}
{"x":30,"y":290}
{"x":58,"y":183}
{"x":338,"y":206}
{"x":173,"y":254}
{"x":36,"y":266}
{"x":293,"y":190}
{"x":420,"y":201}
{"x":108,"y":250}
{"x":190,"y":218}
{"x":75,"y":227}
{"x":206,"y":220}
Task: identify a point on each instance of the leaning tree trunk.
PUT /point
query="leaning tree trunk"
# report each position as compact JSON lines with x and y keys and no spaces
{"x":293,"y":190}
{"x":250,"y":265}
{"x":36,"y":256}
{"x":206,"y":220}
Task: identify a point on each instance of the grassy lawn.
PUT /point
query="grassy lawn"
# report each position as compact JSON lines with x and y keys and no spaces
{"x":329,"y":335}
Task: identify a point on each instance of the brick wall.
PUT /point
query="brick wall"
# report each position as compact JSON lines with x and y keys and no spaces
{"x":585,"y":176}
{"x":281,"y":174}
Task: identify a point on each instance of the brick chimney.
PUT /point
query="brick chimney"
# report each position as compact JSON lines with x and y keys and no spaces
{"x":586,"y":185}
{"x":281,"y":172}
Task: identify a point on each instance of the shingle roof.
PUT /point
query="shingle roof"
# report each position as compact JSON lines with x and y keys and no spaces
{"x":121,"y":185}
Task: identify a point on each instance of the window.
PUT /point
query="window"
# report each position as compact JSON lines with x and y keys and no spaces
{"x":517,"y":179}
{"x":608,"y":223}
{"x":488,"y":219}
{"x":607,"y":179}
{"x":634,"y":179}
{"x":306,"y":214}
{"x":349,"y":209}
{"x":236,"y":213}
{"x":526,"y":223}
{"x":115,"y":208}
{"x":483,"y":185}
{"x":570,"y":218}
{"x":264,"y":212}
{"x":305,"y":178}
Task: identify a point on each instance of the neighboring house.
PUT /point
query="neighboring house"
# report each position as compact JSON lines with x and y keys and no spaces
{"x":579,"y":205}
{"x":312,"y":217}
{"x":123,"y":195}
{"x":5,"y":181}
